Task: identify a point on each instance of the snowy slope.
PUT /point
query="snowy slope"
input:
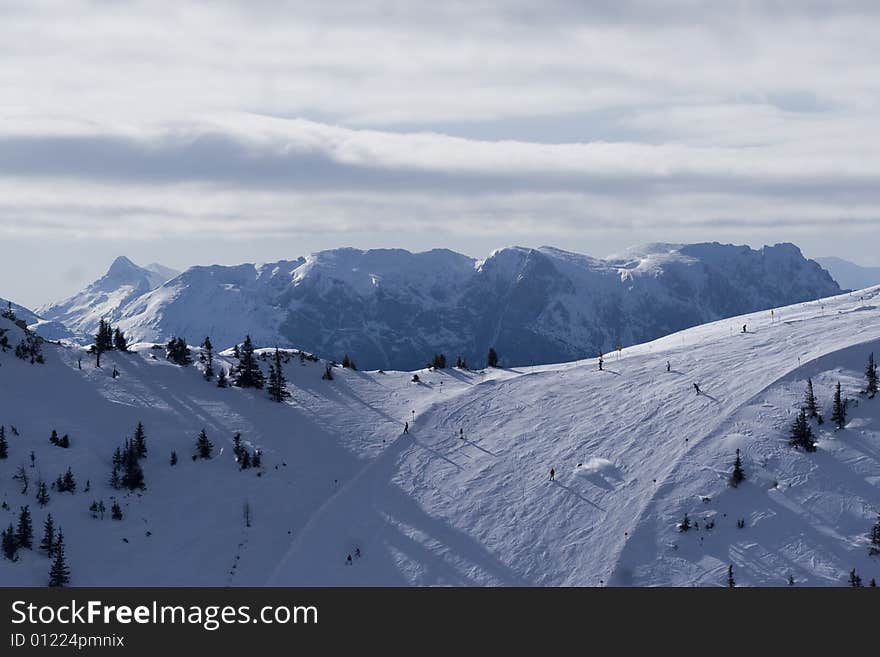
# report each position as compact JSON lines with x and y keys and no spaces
{"x":428,"y":508}
{"x":391,"y":308}
{"x":123,"y":282}
{"x":49,"y":329}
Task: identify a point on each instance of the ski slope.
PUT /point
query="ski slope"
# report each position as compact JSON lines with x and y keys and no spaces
{"x":632,"y":446}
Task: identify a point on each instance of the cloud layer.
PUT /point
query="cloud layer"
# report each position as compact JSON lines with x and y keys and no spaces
{"x":744,"y":120}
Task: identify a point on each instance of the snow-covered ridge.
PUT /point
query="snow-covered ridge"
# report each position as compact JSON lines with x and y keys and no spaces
{"x":390,"y":308}
{"x":464,"y":497}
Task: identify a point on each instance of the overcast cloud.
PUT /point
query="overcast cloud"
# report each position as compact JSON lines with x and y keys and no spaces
{"x":234,"y":131}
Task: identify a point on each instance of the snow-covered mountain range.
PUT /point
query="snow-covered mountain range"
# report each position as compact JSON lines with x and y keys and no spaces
{"x":464,"y":496}
{"x":389,"y":308}
{"x":850,"y":275}
{"x":123,"y":282}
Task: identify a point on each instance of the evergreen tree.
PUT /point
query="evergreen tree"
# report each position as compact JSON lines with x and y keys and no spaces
{"x":731,"y":583}
{"x":24,"y":533}
{"x":139,"y":441}
{"x":328,"y":372}
{"x":47,"y":545}
{"x":345,"y":361}
{"x":4,"y":445}
{"x":871,"y":376}
{"x":173,"y":459}
{"x":53,"y":439}
{"x":256,"y":459}
{"x":492,"y":358}
{"x":64,"y":441}
{"x":209,"y":358}
{"x":204,"y":447}
{"x":810,"y":404}
{"x":119,"y":341}
{"x":8,"y":543}
{"x":132,"y":473}
{"x":68,"y":482}
{"x":801,"y":434}
{"x":439,"y":362}
{"x":59,"y":574}
{"x":114,"y":478}
{"x":103,"y":340}
{"x":178,"y":352}
{"x":248,"y":373}
{"x":738,"y":475}
{"x":838,"y":415}
{"x":237,"y":448}
{"x":854,"y":580}
{"x":277,"y":390}
{"x":245,"y":460}
{"x":116,"y":511}
{"x":42,"y":494}
{"x":875,"y":538}
{"x":221,"y":378}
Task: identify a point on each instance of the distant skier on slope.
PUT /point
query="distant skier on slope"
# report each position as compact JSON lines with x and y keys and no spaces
{"x":744,"y":328}
{"x":668,"y":366}
{"x":406,"y":427}
{"x":348,"y":560}
{"x":357,"y":553}
{"x":552,"y":474}
{"x":697,"y":388}
{"x":461,"y":433}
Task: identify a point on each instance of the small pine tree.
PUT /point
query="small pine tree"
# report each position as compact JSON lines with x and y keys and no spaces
{"x":738,"y":475}
{"x":139,"y":441}
{"x":119,"y":341}
{"x":4,"y":444}
{"x":731,"y":583}
{"x":59,"y":574}
{"x":854,"y":580}
{"x":116,"y":511}
{"x":209,"y":358}
{"x":277,"y":390}
{"x":492,"y":358}
{"x":115,"y":483}
{"x":204,"y":447}
{"x":9,"y":544}
{"x":801,"y":434}
{"x":132,"y":473}
{"x":24,"y":533}
{"x":810,"y":404}
{"x":256,"y":459}
{"x":69,"y":483}
{"x":178,"y":352}
{"x":173,"y":459}
{"x":236,"y":445}
{"x":53,"y":438}
{"x":64,"y":441}
{"x":42,"y":494}
{"x":245,"y":460}
{"x":871,"y":376}
{"x":248,"y":373}
{"x":47,"y":545}
{"x":838,"y":415}
{"x":874,"y":537}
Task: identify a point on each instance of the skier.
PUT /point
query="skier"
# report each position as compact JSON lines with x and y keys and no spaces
{"x":357,"y":553}
{"x":552,"y":474}
{"x":668,"y":366}
{"x":744,"y":328}
{"x":348,"y":560}
{"x":461,"y":433}
{"x":601,"y":361}
{"x":697,"y":388}
{"x":406,"y":427}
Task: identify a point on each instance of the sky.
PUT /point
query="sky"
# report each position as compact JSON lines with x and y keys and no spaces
{"x":233,"y":131}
